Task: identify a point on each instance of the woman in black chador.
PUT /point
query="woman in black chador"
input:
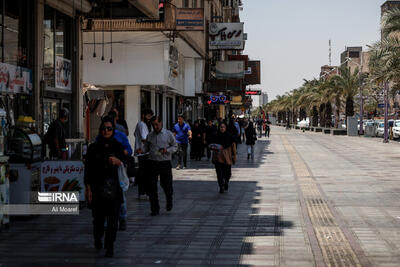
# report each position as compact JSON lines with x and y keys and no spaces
{"x":223,"y":157}
{"x":103,"y":191}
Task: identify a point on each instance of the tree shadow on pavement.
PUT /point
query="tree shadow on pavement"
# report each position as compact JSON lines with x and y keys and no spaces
{"x":204,"y":228}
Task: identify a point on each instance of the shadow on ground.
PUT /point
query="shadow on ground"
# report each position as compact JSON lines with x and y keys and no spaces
{"x":204,"y":228}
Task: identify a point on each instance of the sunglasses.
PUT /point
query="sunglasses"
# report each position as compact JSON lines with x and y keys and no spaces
{"x":107,"y":128}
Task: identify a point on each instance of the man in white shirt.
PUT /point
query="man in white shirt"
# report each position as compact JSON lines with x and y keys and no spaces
{"x":142,"y":130}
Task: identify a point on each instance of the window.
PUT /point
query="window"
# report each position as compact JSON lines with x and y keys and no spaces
{"x":194,"y":3}
{"x":145,"y":100}
{"x":57,"y":41}
{"x":202,"y":3}
{"x":16,"y":25}
{"x":354,"y":54}
{"x":185,"y":3}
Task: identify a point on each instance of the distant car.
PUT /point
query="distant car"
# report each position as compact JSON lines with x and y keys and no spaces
{"x":381,"y":129}
{"x":396,"y":129}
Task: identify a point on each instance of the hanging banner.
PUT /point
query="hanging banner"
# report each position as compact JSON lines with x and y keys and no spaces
{"x":15,"y":79}
{"x":226,"y":36}
{"x":230,"y":69}
{"x":63,"y":73}
{"x":190,"y":19}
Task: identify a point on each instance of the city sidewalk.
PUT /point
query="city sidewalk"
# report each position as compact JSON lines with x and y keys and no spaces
{"x":306,"y":200}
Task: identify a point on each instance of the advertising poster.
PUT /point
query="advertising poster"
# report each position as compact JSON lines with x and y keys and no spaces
{"x":15,"y":79}
{"x":58,"y":176}
{"x":63,"y":73}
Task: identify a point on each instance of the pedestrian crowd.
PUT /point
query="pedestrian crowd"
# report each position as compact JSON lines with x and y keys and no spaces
{"x":110,"y":160}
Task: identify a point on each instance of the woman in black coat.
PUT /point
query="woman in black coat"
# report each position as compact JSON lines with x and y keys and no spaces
{"x":251,"y":138}
{"x":103,"y":191}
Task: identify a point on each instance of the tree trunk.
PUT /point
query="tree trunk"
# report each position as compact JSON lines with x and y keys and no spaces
{"x":303,"y":114}
{"x":315,"y":116}
{"x":322,"y":115}
{"x":349,"y":107}
{"x":328,"y":115}
{"x":337,"y":119}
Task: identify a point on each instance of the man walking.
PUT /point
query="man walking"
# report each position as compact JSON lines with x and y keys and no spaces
{"x":55,"y":136}
{"x":183,"y":134}
{"x":142,"y":130}
{"x":160,"y":144}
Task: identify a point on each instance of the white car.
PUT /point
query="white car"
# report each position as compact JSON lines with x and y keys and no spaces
{"x":381,"y":129}
{"x":396,"y":129}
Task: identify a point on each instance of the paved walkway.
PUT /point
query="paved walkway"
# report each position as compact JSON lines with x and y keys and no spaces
{"x":308,"y":199}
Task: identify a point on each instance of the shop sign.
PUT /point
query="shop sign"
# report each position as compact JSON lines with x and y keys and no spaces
{"x":63,"y":73}
{"x":62,"y":176}
{"x":191,"y":19}
{"x":218,"y":99}
{"x":253,"y":92}
{"x":254,"y":77}
{"x":230,"y":69}
{"x":226,"y":36}
{"x":15,"y":79}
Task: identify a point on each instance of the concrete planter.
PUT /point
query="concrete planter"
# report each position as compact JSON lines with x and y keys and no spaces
{"x":339,"y":132}
{"x":327,"y":131}
{"x":318,"y":130}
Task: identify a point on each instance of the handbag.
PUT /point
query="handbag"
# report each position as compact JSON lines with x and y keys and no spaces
{"x":123,"y":178}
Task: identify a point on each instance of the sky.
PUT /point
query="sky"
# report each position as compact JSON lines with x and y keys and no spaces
{"x":291,"y":37}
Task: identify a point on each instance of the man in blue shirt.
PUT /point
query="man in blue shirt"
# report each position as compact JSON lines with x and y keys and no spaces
{"x":183,"y":134}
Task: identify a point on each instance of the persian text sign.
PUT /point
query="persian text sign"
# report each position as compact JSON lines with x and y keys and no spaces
{"x":61,"y":176}
{"x":15,"y":79}
{"x":253,"y":92}
{"x":190,"y":19}
{"x":230,"y":69}
{"x":63,"y":73}
{"x":226,"y":36}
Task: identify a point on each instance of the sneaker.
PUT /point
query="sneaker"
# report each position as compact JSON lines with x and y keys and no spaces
{"x":184,"y":167}
{"x":178,"y":167}
{"x":122,"y":225}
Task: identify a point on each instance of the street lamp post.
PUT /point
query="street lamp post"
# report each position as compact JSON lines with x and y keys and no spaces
{"x":386,"y":128}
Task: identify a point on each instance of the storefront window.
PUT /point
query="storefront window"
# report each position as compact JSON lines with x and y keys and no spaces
{"x":57,"y":49}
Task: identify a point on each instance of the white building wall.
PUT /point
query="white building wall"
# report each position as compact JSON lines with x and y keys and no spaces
{"x":132,"y":110}
{"x":199,"y":75}
{"x":134,"y":63}
{"x":190,"y":77}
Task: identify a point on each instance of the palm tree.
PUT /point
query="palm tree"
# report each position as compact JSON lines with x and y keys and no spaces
{"x":347,"y":82}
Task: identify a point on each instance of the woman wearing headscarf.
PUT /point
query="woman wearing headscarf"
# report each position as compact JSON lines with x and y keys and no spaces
{"x":251,"y":137}
{"x":103,"y":190}
{"x":223,"y":157}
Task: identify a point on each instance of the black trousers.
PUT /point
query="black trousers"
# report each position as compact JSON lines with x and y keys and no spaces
{"x":142,"y":173}
{"x":162,"y":169}
{"x":224,"y":173}
{"x":102,"y":211}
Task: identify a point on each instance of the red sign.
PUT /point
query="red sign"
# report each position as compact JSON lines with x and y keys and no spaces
{"x":253,"y":92}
